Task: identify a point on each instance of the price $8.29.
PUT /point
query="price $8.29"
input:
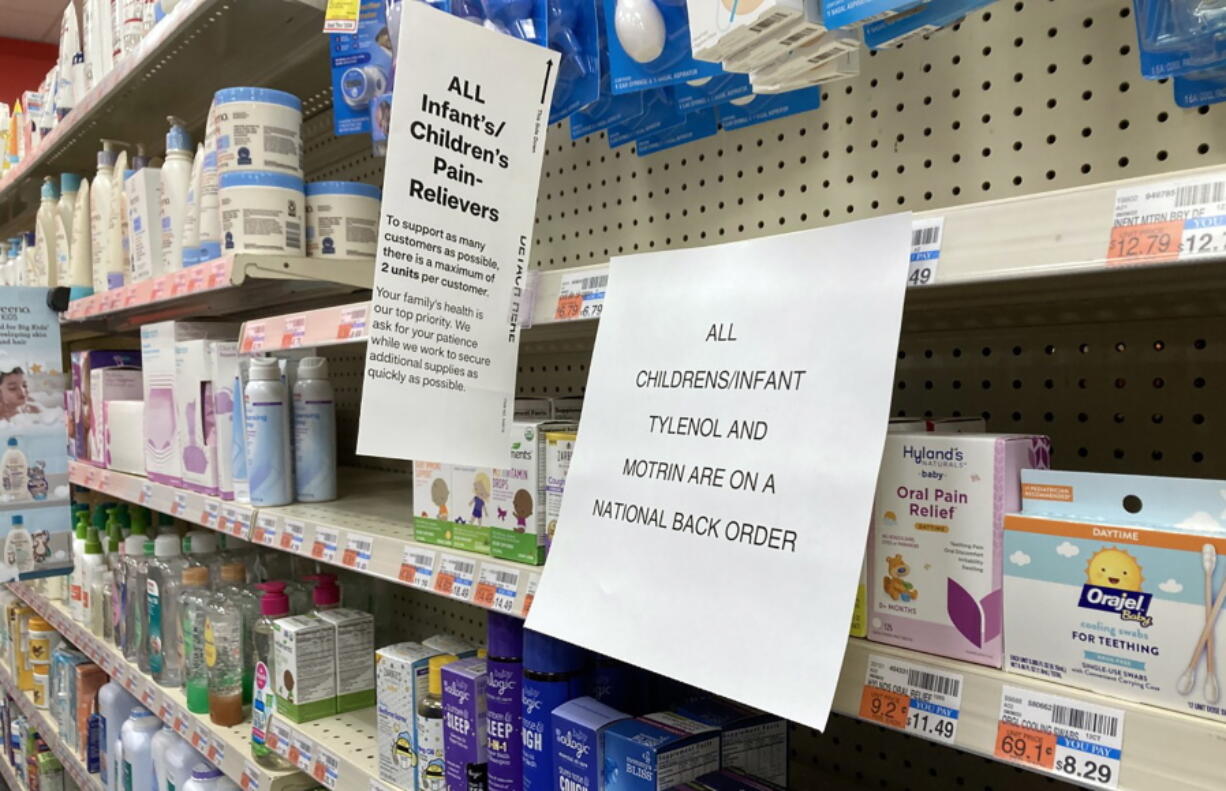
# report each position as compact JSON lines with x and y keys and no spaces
{"x":1084,"y":768}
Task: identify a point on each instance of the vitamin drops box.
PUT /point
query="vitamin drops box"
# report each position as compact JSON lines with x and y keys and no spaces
{"x":934,"y":553}
{"x":1128,"y":574}
{"x":519,"y":529}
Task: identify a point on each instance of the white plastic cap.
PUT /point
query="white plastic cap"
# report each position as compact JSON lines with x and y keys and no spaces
{"x":202,"y":542}
{"x":167,"y":545}
{"x":313,"y":368}
{"x":264,"y":369}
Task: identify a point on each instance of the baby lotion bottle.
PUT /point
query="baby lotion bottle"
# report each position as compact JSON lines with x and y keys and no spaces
{"x":45,"y":251}
{"x":266,"y":415}
{"x":273,"y":605}
{"x":176,"y":178}
{"x":80,"y":268}
{"x":101,"y":191}
{"x":94,"y":565}
{"x":77,"y":580}
{"x":553,"y":674}
{"x":13,"y":473}
{"x":314,"y":433}
{"x":504,"y":702}
{"x":431,"y":766}
{"x":19,"y":546}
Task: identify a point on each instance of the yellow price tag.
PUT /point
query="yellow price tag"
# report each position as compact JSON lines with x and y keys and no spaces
{"x":341,"y":16}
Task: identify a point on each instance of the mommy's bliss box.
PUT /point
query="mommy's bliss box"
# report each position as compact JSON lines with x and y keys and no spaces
{"x":658,"y":751}
{"x":935,"y":544}
{"x":1125,"y":570}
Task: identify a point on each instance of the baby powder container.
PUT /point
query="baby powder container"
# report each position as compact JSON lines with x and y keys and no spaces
{"x":136,"y":736}
{"x":261,"y":212}
{"x":42,"y":684}
{"x":342,"y":219}
{"x":41,"y":640}
{"x":258,"y":129}
{"x":206,"y":777}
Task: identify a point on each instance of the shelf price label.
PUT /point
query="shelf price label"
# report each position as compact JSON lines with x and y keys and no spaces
{"x":913,"y":697}
{"x":265,"y":530}
{"x":358,"y":549}
{"x":217,"y":751}
{"x":90,"y":474}
{"x":179,"y":506}
{"x":240,"y":526}
{"x":250,"y":780}
{"x":200,"y":739}
{"x":219,"y":272}
{"x":581,"y":295}
{"x":146,"y":494}
{"x":147,"y":696}
{"x":925,"y":251}
{"x":324,"y":547}
{"x":1073,"y":740}
{"x":455,"y":577}
{"x":352,"y":324}
{"x":180,"y":722}
{"x":292,"y":535}
{"x":281,"y":740}
{"x":530,"y":593}
{"x":327,"y":768}
{"x":301,"y":752}
{"x":212,"y":510}
{"x":1176,"y":220}
{"x":293,"y":329}
{"x":166,"y":711}
{"x":496,"y":587}
{"x":417,"y":567}
{"x":253,"y":336}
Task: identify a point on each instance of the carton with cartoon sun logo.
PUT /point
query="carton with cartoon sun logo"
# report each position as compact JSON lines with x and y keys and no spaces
{"x":1113,"y":583}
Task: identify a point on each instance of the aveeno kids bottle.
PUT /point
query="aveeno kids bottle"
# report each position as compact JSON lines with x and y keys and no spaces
{"x":19,"y":546}
{"x":162,"y":587}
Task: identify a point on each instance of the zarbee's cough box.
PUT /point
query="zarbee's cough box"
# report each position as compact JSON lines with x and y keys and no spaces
{"x":1125,"y":571}
{"x":934,"y":566}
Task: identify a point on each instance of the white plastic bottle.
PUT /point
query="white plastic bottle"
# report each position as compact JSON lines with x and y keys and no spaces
{"x":206,"y":777}
{"x":80,"y":274}
{"x":44,"y":225}
{"x":115,"y":258}
{"x":94,"y":565}
{"x":70,"y":188}
{"x":19,"y":546}
{"x":266,"y":413}
{"x":100,"y":204}
{"x":314,"y":433}
{"x":176,"y":182}
{"x":173,"y":759}
{"x":115,"y":704}
{"x":190,"y":242}
{"x":77,"y":583}
{"x":137,"y":738}
{"x":13,"y":473}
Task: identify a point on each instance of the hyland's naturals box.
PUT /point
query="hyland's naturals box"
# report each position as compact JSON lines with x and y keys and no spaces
{"x":355,"y":657}
{"x":935,"y":561}
{"x":1113,"y":584}
{"x":402,"y":677}
{"x":519,"y":517}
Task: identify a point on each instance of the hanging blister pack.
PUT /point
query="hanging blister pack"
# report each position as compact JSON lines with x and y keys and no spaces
{"x":760,"y":109}
{"x":712,"y":91}
{"x":649,"y":45}
{"x":1180,"y":37}
{"x":1197,"y":88}
{"x":609,"y":108}
{"x":659,"y":112}
{"x":574,"y":32}
{"x":696,"y":126}
{"x":920,"y":21}
{"x":523,"y":19}
{"x":845,"y":13}
{"x":361,"y":69}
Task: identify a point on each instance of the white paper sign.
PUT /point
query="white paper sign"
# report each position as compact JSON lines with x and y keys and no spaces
{"x":463,"y":165}
{"x":733,"y":424}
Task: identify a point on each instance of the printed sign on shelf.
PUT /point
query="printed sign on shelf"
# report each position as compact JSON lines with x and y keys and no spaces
{"x":293,"y":330}
{"x":1175,"y":220}
{"x":456,"y":233}
{"x":925,"y":251}
{"x":250,"y":781}
{"x":1077,"y":741}
{"x":728,"y":453}
{"x":920,"y":699}
{"x":353,"y":323}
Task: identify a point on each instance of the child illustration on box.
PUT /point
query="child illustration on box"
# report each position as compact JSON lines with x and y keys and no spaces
{"x":15,"y":395}
{"x":481,"y":493}
{"x":439,"y":494}
{"x":522,"y":506}
{"x":896,"y":586}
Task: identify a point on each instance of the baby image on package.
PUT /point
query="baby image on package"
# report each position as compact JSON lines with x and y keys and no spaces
{"x":1130,"y":607}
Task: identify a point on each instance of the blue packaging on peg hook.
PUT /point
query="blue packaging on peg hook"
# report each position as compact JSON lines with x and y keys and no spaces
{"x":573,"y":32}
{"x":608,"y":108}
{"x":843,"y":13}
{"x":757,"y":109}
{"x":361,"y":69}
{"x":649,"y":45}
{"x":522,"y":19}
{"x":1175,"y":41}
{"x":696,"y":126}
{"x":1206,"y":87}
{"x":711,"y":91}
{"x":659,"y":113}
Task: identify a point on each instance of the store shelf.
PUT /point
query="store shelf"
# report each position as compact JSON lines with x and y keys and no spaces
{"x":227,"y":748}
{"x":42,"y":721}
{"x":232,"y":283}
{"x":7,"y":774}
{"x":197,"y":49}
{"x":365,"y":530}
{"x":1161,"y":749}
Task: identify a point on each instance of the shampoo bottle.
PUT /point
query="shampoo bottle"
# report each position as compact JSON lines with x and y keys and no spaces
{"x":176,"y":185}
{"x":161,"y":610}
{"x":76,"y":580}
{"x":80,"y":267}
{"x":44,"y":245}
{"x":91,"y":582}
{"x":266,"y":416}
{"x":314,"y":433}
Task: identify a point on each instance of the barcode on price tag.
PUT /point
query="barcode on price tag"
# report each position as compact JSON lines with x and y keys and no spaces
{"x":925,"y":251}
{"x":199,"y":739}
{"x":227,"y":518}
{"x":146,"y":493}
{"x":917,"y":698}
{"x":281,"y":739}
{"x":325,"y":544}
{"x":455,"y":577}
{"x":250,"y":781}
{"x":327,"y":768}
{"x":294,"y":329}
{"x":496,"y":587}
{"x":217,"y":751}
{"x":530,"y":593}
{"x":1171,"y":221}
{"x":180,"y":722}
{"x":266,"y":530}
{"x":1077,"y":741}
{"x":353,"y":323}
{"x":291,"y":535}
{"x":358,"y":549}
{"x":179,"y":506}
{"x":253,"y":336}
{"x":212,"y":510}
{"x":581,"y":295}
{"x":417,"y":567}
{"x":166,"y":712}
{"x":241,"y":526}
{"x":302,"y":753}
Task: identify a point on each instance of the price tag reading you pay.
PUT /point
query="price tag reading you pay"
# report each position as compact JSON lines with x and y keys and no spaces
{"x":1170,"y":221}
{"x":1070,"y":739}
{"x":916,"y":698}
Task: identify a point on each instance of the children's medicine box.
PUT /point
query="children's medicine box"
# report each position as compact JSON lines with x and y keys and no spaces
{"x":657,"y":752}
{"x":1126,"y":571}
{"x":934,"y":570}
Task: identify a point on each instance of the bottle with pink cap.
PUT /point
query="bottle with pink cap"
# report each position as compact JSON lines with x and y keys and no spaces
{"x":274,"y":604}
{"x":326,"y":595}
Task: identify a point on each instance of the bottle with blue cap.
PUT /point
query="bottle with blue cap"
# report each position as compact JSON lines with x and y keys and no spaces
{"x":19,"y":546}
{"x":44,"y":246}
{"x":554,"y":672}
{"x":100,"y":204}
{"x":176,"y":181}
{"x":70,"y":186}
{"x":136,"y":738}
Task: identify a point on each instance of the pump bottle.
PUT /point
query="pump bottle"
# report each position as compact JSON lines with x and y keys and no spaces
{"x":176,"y":182}
{"x":102,"y":190}
{"x":44,"y":245}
